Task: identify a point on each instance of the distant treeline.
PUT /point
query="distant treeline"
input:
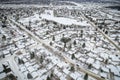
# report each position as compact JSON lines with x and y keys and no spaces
{"x":114,"y":7}
{"x":48,"y":1}
{"x":24,"y":1}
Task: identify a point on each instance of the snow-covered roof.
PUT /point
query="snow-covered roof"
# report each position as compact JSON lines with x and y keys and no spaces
{"x":34,"y":74}
{"x":103,"y":74}
{"x":75,"y":75}
{"x":31,"y":69}
{"x":90,"y":61}
{"x":114,"y":69}
{"x":114,"y":58}
{"x":2,"y":75}
{"x":97,"y":66}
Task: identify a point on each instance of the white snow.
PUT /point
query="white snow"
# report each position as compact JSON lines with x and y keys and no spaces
{"x":90,"y":61}
{"x":103,"y":74}
{"x":63,"y":20}
{"x":34,"y":74}
{"x":75,"y":75}
{"x":31,"y":69}
{"x":113,"y":69}
{"x":2,"y":75}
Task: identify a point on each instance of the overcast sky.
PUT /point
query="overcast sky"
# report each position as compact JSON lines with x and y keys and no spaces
{"x":35,"y":1}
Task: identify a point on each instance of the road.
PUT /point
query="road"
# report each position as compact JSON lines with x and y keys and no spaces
{"x":56,"y":52}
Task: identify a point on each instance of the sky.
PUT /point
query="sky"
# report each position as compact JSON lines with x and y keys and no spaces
{"x":47,"y":1}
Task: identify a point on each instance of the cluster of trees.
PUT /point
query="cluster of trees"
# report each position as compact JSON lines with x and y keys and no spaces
{"x":41,"y":59}
{"x":65,"y":40}
{"x":29,"y":76}
{"x":81,"y":34}
{"x":84,"y":45}
{"x":20,"y":61}
{"x":4,"y":38}
{"x":50,"y":77}
{"x":73,"y":56}
{"x":4,"y":21}
{"x":86,"y":76}
{"x":10,"y":77}
{"x":32,"y":55}
{"x":72,"y":69}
